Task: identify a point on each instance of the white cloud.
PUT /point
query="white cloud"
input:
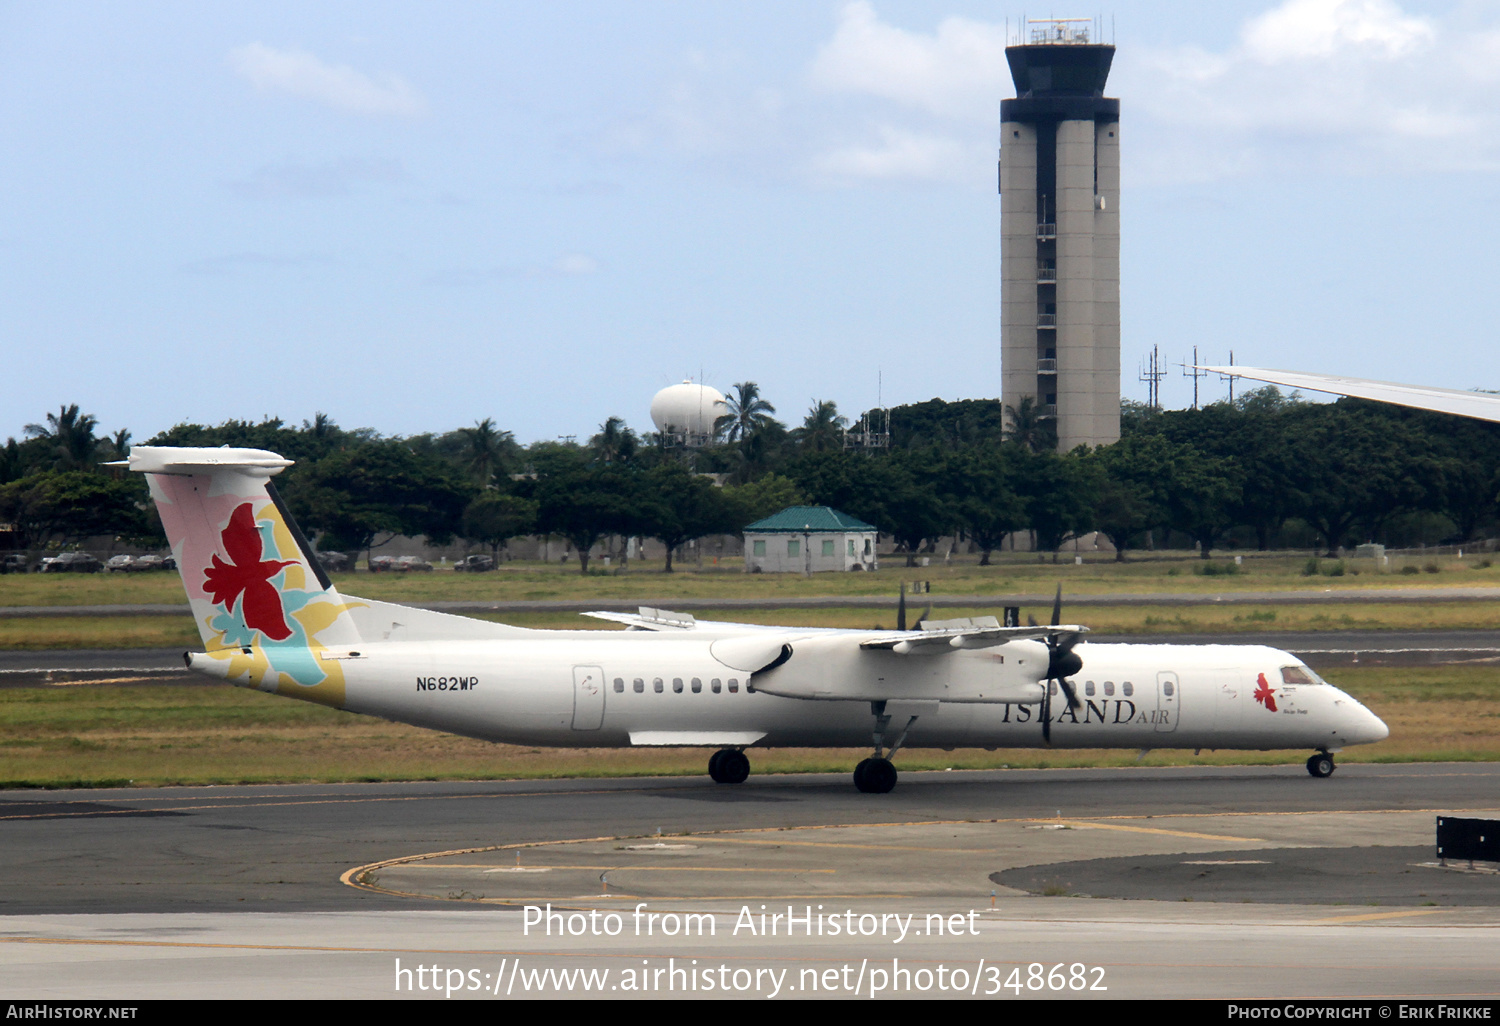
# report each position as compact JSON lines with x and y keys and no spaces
{"x":301,"y":74}
{"x":1303,"y":29}
{"x":956,"y":71}
{"x":1330,"y":86}
{"x":897,"y":155}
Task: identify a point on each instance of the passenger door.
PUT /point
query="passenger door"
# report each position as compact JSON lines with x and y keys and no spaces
{"x":588,"y":698}
{"x":1168,"y":697}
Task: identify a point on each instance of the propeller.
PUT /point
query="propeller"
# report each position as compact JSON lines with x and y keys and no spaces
{"x":901,"y":610}
{"x":1062,"y":663}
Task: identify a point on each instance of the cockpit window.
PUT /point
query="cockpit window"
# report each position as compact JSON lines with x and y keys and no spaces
{"x":1298,"y":675}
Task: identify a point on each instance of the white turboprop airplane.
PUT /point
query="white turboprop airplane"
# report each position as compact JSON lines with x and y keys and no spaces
{"x":271,"y":619}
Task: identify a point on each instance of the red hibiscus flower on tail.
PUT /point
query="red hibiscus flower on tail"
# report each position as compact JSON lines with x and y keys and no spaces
{"x":248,"y":577}
{"x":1264,"y":693}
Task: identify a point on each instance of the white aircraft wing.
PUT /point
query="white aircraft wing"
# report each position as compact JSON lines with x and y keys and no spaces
{"x":983,"y":632}
{"x":649,"y":619}
{"x":1478,"y":405}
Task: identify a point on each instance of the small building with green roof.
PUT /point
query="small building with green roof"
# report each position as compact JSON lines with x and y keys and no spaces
{"x":809,"y":539}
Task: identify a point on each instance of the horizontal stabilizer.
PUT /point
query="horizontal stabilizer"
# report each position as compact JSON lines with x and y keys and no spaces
{"x":162,"y":459}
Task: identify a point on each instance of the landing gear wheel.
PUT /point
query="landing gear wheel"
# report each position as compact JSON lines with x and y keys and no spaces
{"x":1320,"y":765}
{"x":728,"y":766}
{"x":875,"y":776}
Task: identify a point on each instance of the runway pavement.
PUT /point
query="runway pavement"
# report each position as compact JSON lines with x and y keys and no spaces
{"x":318,"y":890}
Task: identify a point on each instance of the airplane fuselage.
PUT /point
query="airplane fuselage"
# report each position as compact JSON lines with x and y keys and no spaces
{"x":627,"y":688}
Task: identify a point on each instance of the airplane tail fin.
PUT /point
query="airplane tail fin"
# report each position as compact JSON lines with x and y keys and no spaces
{"x":268,"y":614}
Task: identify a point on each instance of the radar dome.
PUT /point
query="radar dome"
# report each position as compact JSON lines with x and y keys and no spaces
{"x":687,"y":409}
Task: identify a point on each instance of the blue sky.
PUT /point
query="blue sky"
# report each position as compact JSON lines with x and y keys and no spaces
{"x":413,"y":216}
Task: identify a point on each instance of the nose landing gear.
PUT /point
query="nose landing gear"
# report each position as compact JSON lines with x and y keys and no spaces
{"x":1321,"y":765}
{"x":729,"y":766}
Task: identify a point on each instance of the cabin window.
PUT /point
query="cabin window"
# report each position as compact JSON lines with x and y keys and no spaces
{"x":1297,"y":675}
{"x":1109,"y":688}
{"x":619,"y":685}
{"x":1166,"y":688}
{"x":758,"y":548}
{"x":656,"y":685}
{"x":715,"y":686}
{"x":1052,"y":687}
{"x":793,"y":547}
{"x":1126,"y":689}
{"x":676,"y":685}
{"x":697,"y":685}
{"x":1088,"y":689}
{"x":734,"y":685}
{"x":639,"y":686}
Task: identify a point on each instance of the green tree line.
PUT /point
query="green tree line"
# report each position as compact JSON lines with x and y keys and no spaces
{"x":1260,"y":472}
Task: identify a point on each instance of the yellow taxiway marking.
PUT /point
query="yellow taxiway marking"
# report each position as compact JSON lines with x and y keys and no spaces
{"x":1090,"y":825}
{"x":866,"y":847}
{"x":1383,"y":915}
{"x":617,"y":868}
{"x":103,"y":680}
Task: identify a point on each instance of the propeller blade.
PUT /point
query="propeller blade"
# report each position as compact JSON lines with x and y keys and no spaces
{"x":1071,"y":692}
{"x":901,"y":609}
{"x":1057,"y":607}
{"x":1031,"y":621}
{"x":1047,"y":714}
{"x":925,"y":613}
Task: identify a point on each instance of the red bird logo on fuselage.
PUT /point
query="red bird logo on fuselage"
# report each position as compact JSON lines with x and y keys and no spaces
{"x":1264,"y":694}
{"x":248,"y":577}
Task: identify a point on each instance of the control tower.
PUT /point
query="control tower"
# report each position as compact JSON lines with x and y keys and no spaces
{"x":1060,"y":227}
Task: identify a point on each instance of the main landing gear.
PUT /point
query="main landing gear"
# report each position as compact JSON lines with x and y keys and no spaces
{"x":729,"y":766}
{"x":1321,"y":765}
{"x":877,"y":775}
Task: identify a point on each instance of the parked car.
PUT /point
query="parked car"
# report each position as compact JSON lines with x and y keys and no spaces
{"x":333,"y":562}
{"x":14,"y":563}
{"x":70,"y":563}
{"x":474,"y":564}
{"x":138,"y":564}
{"x":382,"y":564}
{"x":407,"y":563}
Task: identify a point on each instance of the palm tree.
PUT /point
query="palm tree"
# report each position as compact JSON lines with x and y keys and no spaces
{"x":615,"y":442}
{"x":823,"y":429}
{"x":72,"y":435}
{"x":748,"y":413}
{"x":486,"y":450}
{"x":1028,"y":427}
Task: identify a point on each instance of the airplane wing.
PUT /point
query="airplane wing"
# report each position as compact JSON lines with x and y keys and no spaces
{"x":1479,"y":405}
{"x":935,"y":636}
{"x":648,"y":619}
